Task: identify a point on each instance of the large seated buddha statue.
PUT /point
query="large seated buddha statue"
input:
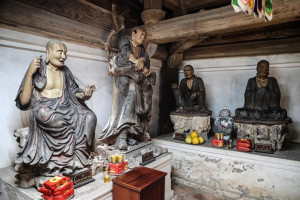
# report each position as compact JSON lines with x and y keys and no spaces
{"x":190,"y":95}
{"x":262,"y":119}
{"x":191,"y":111}
{"x":262,"y":97}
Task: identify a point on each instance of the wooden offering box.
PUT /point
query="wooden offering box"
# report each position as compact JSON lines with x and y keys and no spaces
{"x":141,"y":183}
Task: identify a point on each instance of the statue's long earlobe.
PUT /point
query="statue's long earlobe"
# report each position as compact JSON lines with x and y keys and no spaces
{"x":47,"y":57}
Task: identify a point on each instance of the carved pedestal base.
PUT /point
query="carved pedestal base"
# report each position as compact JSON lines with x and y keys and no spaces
{"x":184,"y":122}
{"x":263,"y":135}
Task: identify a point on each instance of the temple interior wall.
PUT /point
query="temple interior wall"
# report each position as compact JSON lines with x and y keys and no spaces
{"x":225,"y":81}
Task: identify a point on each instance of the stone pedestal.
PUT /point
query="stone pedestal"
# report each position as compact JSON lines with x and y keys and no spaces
{"x":263,"y":133}
{"x":95,"y":190}
{"x":184,"y":122}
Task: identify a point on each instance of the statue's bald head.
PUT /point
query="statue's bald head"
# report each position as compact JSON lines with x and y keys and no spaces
{"x":138,"y":35}
{"x":52,"y":42}
{"x":135,"y":30}
{"x":262,"y":68}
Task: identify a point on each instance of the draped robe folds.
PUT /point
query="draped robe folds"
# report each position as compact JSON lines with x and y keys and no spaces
{"x":131,"y":99}
{"x":263,"y":102}
{"x":61,"y":130}
{"x":264,"y":97}
{"x":198,"y":88}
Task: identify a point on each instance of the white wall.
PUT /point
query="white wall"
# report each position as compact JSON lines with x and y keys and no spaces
{"x":225,"y":80}
{"x":88,"y":65}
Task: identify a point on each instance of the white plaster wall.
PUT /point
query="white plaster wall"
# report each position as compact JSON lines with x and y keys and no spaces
{"x":233,"y":174}
{"x":88,"y":65}
{"x":225,"y":80}
{"x":155,"y":67}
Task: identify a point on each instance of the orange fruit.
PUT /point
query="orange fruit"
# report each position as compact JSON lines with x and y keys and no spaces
{"x":188,"y":140}
{"x":195,"y":140}
{"x":194,"y":134}
{"x":201,"y":139}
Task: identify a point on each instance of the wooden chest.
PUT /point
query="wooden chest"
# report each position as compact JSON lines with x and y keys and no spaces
{"x":141,"y":183}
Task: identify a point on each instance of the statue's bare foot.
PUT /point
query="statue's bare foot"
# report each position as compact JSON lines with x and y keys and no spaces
{"x":122,"y":144}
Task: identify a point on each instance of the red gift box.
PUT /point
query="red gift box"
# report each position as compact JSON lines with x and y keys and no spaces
{"x":244,"y":144}
{"x":63,"y":189}
{"x":118,"y":168}
{"x":57,"y":188}
{"x":68,"y":194}
{"x":217,"y":143}
{"x":55,"y":182}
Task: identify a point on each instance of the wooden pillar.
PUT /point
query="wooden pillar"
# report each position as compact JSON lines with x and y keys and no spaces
{"x":152,"y":12}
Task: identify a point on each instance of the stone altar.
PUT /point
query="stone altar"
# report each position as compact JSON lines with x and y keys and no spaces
{"x":262,"y":133}
{"x":95,"y":190}
{"x":262,"y":119}
{"x":186,"y":122}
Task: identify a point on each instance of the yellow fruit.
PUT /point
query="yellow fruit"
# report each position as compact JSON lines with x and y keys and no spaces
{"x":201,"y":139}
{"x":195,"y":140}
{"x":194,"y":134}
{"x":188,"y":140}
{"x":188,"y":136}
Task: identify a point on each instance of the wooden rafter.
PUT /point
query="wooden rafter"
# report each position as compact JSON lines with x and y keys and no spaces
{"x":220,"y":20}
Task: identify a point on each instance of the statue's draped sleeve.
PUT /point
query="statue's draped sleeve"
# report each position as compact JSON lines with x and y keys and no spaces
{"x":38,"y":83}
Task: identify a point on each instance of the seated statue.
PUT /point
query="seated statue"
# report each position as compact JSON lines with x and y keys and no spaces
{"x":262,"y":97}
{"x":190,"y":96}
{"x":132,"y":93}
{"x":61,"y":127}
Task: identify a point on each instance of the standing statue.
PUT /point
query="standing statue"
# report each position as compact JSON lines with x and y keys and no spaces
{"x":132,"y":93}
{"x":61,"y":127}
{"x":262,"y":97}
{"x":190,"y":96}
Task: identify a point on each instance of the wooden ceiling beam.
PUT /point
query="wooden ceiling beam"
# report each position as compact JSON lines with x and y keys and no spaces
{"x":78,"y":10}
{"x":218,"y":21}
{"x":192,"y":4}
{"x":275,"y":46}
{"x":254,"y":35}
{"x":21,"y":17}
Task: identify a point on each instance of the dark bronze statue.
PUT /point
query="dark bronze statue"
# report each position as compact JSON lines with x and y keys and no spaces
{"x":190,"y":96}
{"x":262,"y":97}
{"x":132,"y":93}
{"x":61,"y":127}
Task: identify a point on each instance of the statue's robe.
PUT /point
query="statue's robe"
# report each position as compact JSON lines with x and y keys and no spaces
{"x":61,"y":130}
{"x":262,"y":103}
{"x":198,"y":88}
{"x":264,"y":97}
{"x":131,"y":98}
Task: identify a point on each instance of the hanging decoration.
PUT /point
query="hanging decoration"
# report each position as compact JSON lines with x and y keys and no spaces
{"x":259,"y":8}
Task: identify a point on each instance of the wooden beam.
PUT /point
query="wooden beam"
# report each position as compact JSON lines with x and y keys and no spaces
{"x":218,"y":21}
{"x":171,"y":4}
{"x":26,"y":18}
{"x":181,"y":46}
{"x":78,"y":10}
{"x":196,"y":4}
{"x":192,"y":4}
{"x":276,"y":46}
{"x":150,"y":4}
{"x":269,"y":33}
{"x":161,"y":53}
{"x":177,"y":50}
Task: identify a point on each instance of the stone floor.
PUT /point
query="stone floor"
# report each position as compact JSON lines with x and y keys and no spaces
{"x":184,"y":192}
